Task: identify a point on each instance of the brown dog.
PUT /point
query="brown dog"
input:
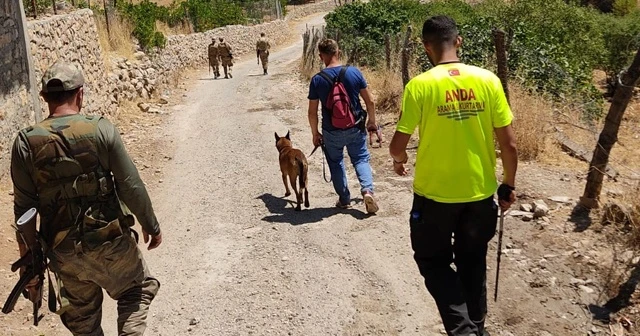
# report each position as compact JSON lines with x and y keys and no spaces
{"x":293,"y":164}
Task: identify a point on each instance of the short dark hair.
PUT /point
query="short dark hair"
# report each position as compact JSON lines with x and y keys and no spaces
{"x":328,"y":47}
{"x":439,"y":30}
{"x":59,"y":97}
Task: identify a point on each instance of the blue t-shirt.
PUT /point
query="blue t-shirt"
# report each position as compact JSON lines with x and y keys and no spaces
{"x":353,"y":82}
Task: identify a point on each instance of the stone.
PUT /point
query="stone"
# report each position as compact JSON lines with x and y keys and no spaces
{"x":577,"y":282}
{"x":144,"y":107}
{"x":194,"y":321}
{"x":527,"y":217}
{"x":517,"y":213}
{"x":626,"y":256}
{"x":526,"y":207}
{"x":616,"y":213}
{"x":163,"y":100}
{"x":540,"y":209}
{"x":154,"y":110}
{"x":586,"y":289}
{"x":561,"y":199}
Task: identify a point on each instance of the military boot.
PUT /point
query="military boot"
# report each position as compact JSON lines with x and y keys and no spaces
{"x":265,"y":72}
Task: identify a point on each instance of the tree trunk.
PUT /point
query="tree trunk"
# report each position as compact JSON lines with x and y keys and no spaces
{"x":387,"y":51}
{"x":609,"y":134}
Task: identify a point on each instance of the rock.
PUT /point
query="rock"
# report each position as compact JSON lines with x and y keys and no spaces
{"x":561,"y":199}
{"x":577,"y":282}
{"x":540,"y":209}
{"x":164,"y":100}
{"x":11,"y":192}
{"x":528,"y":217}
{"x":586,"y":289}
{"x":616,"y":213}
{"x":526,"y":207}
{"x":626,"y":256}
{"x":154,"y":110}
{"x":517,"y":213}
{"x":194,"y":321}
{"x":145,"y":107}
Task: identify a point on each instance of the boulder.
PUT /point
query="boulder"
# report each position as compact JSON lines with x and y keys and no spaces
{"x":540,"y":208}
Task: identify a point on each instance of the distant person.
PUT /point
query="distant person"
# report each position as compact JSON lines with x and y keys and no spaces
{"x":457,"y":108}
{"x":214,"y":58}
{"x":336,"y":137}
{"x":262,"y":52}
{"x":75,"y":171}
{"x":226,"y":56}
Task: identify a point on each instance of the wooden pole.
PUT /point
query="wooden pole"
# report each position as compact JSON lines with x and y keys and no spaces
{"x":35,"y":9}
{"x":609,"y":135}
{"x":55,"y":10}
{"x":501,"y":56}
{"x":387,"y":51}
{"x":405,"y":57}
{"x":106,"y":17}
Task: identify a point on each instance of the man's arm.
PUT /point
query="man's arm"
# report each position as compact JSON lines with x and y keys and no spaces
{"x":129,"y":185}
{"x":398,"y":151}
{"x":25,"y":194}
{"x":313,"y":121}
{"x":371,"y":108}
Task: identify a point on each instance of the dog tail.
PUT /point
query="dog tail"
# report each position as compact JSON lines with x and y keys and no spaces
{"x":302,"y":173}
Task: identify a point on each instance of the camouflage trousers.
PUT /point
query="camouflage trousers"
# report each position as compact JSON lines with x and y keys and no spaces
{"x":227,"y":65}
{"x":216,"y":67}
{"x":264,"y":59}
{"x":119,"y":268}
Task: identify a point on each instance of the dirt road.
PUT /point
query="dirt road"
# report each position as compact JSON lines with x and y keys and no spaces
{"x":237,"y":259}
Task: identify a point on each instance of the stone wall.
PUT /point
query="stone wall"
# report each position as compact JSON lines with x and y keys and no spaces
{"x":15,"y":99}
{"x":297,"y":12}
{"x":73,"y":37}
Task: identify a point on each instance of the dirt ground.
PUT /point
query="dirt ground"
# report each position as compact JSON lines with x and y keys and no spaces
{"x":237,"y":260}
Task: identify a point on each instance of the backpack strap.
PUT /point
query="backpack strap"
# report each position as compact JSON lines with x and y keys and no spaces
{"x":326,"y":77}
{"x":342,"y":73}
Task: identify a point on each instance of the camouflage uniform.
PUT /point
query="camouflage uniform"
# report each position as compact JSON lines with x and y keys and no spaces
{"x":75,"y":170}
{"x":214,"y":58}
{"x":226,"y":56}
{"x":262,"y":49}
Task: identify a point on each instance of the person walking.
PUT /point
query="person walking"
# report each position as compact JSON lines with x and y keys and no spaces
{"x":75,"y":171}
{"x":226,"y":57}
{"x":457,"y":109}
{"x":262,"y":52}
{"x":334,"y":138}
{"x":214,"y":58}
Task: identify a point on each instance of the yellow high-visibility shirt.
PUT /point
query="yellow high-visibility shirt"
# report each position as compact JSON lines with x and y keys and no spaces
{"x":456,"y":108}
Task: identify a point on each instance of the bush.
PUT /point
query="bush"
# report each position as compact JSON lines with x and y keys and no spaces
{"x":545,"y":52}
{"x":144,"y":16}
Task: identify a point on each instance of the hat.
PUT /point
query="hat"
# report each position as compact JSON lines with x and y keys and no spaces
{"x":62,"y":76}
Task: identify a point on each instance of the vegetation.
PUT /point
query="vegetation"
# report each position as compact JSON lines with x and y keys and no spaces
{"x":554,"y":45}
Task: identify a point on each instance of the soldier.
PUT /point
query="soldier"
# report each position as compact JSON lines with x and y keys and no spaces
{"x":224,"y":50}
{"x":75,"y":170}
{"x":214,"y":58}
{"x":262,"y":51}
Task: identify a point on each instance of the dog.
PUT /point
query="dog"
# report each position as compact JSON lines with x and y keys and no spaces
{"x":293,"y":164}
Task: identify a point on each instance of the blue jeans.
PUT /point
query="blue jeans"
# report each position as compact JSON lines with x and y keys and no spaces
{"x":355,"y":139}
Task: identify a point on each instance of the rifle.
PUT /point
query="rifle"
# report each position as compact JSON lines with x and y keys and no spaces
{"x":500,"y":231}
{"x":33,"y":262}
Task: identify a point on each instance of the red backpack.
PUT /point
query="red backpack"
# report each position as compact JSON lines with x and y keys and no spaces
{"x":338,"y":102}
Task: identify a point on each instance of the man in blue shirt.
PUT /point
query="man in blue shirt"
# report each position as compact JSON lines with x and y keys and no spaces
{"x":335,"y":139}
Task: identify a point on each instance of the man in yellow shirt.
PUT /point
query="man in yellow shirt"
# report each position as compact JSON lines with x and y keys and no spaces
{"x":457,"y":108}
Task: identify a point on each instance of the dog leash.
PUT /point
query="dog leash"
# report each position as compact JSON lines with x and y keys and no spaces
{"x":324,"y":169}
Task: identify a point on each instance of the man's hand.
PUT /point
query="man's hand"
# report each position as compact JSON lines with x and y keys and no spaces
{"x":371,"y":125}
{"x":506,"y":196}
{"x":317,"y":139}
{"x":400,"y":169}
{"x":155,"y":240}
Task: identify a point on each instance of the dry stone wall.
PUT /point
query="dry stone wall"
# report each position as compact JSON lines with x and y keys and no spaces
{"x":297,"y":12}
{"x":73,"y":37}
{"x":15,"y":100}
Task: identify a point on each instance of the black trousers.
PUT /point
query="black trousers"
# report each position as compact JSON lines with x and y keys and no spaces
{"x":460,"y":294}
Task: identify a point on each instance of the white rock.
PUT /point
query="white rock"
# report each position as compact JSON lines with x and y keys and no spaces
{"x":561,"y":199}
{"x":540,"y":208}
{"x":526,"y":207}
{"x":144,"y":107}
{"x":586,"y":289}
{"x":527,"y":217}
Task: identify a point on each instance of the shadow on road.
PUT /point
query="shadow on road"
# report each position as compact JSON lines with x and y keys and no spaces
{"x":281,"y":212}
{"x":581,"y":217}
{"x":621,"y":300}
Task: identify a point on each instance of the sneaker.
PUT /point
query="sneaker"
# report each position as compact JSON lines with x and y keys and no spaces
{"x":370,"y":203}
{"x":342,"y":206}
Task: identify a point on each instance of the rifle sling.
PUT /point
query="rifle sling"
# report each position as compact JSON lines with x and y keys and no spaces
{"x":17,"y":290}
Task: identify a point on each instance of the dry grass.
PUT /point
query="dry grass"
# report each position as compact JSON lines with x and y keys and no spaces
{"x":118,"y":40}
{"x":386,"y":88}
{"x":532,"y":122}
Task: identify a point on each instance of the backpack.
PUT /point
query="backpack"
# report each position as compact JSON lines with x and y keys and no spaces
{"x":338,"y":102}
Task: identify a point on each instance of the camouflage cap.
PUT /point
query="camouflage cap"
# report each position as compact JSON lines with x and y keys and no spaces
{"x":62,"y":76}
